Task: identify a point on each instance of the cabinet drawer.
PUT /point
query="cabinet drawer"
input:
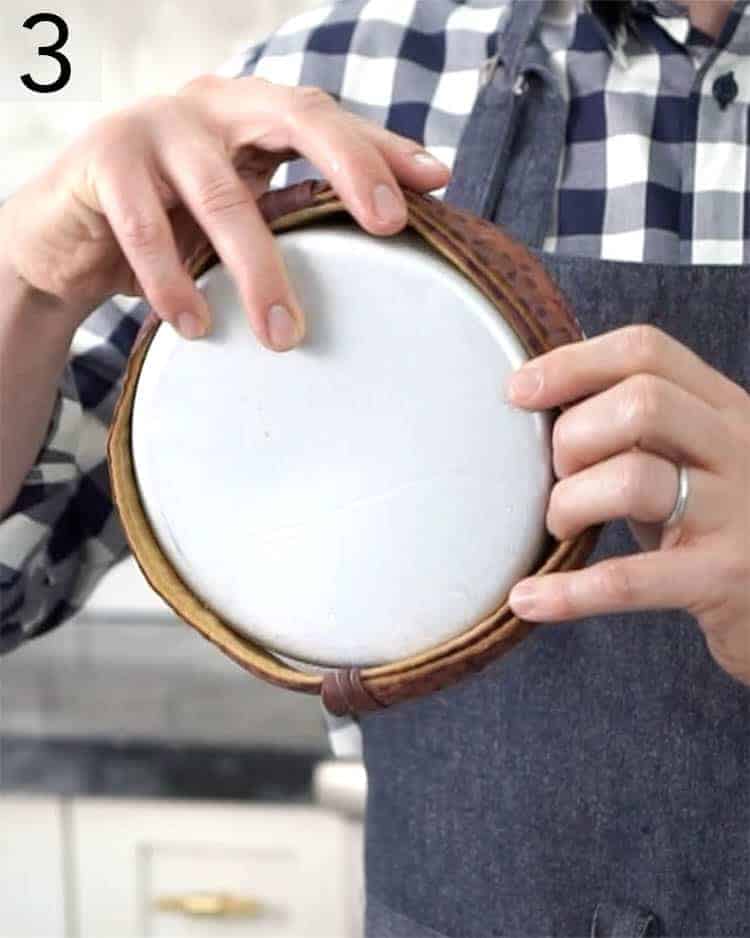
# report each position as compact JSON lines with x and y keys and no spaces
{"x":196,"y":869}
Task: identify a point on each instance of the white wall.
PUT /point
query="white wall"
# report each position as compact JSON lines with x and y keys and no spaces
{"x":143,"y":47}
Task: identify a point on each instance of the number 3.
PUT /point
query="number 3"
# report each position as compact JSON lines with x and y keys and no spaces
{"x":52,"y":51}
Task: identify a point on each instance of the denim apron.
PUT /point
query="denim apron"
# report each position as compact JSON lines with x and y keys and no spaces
{"x":596,"y":781}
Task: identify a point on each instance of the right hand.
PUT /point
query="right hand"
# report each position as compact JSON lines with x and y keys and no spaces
{"x":124,"y":206}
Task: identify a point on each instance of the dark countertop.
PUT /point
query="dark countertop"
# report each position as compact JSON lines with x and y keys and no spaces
{"x":128,"y":768}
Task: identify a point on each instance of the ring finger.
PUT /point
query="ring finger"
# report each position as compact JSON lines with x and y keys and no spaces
{"x":636,"y":485}
{"x":642,"y":411}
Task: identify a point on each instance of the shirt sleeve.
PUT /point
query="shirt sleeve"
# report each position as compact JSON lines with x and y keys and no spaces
{"x":62,"y":534}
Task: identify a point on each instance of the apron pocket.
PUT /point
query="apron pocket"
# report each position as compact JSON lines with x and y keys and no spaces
{"x":381,"y":921}
{"x":612,"y":920}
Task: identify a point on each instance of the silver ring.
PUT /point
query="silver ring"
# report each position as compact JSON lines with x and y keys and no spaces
{"x":680,"y":504}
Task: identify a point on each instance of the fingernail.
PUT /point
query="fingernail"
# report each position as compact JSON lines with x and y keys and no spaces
{"x":427,"y":159}
{"x":190,"y":326}
{"x":524,"y":384}
{"x":523,"y":598}
{"x":283,"y":330}
{"x":387,"y":205}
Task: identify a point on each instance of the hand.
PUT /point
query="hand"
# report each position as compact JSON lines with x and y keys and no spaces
{"x":128,"y":202}
{"x":641,"y":404}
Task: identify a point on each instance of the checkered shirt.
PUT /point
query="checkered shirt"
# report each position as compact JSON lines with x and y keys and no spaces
{"x":654,"y":168}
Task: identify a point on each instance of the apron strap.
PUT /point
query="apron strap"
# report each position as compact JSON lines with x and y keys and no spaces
{"x":522,"y":21}
{"x":519,"y":94}
{"x":527,"y":187}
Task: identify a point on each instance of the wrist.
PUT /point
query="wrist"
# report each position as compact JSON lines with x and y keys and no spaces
{"x":35,"y":337}
{"x":36,"y":333}
{"x":27,"y":307}
{"x":19,"y":296}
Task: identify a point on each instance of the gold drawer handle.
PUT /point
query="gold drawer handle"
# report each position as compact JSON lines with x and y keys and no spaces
{"x":210,"y":905}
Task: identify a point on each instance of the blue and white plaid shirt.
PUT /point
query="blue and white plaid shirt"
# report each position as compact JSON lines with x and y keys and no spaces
{"x":654,"y":168}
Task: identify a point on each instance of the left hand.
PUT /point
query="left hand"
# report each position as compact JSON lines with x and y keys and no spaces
{"x":642,"y":404}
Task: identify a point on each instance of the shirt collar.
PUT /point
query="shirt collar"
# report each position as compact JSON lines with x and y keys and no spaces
{"x":671,"y":16}
{"x":614,"y":36}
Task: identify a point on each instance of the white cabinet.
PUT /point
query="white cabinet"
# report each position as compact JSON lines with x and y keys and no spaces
{"x":143,"y":869}
{"x":126,"y":868}
{"x":32,"y":899}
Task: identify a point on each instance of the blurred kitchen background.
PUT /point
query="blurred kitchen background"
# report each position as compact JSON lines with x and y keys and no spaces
{"x":149,"y":786}
{"x":132,"y":48}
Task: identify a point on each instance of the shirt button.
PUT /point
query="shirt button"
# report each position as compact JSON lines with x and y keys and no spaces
{"x":725,"y":89}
